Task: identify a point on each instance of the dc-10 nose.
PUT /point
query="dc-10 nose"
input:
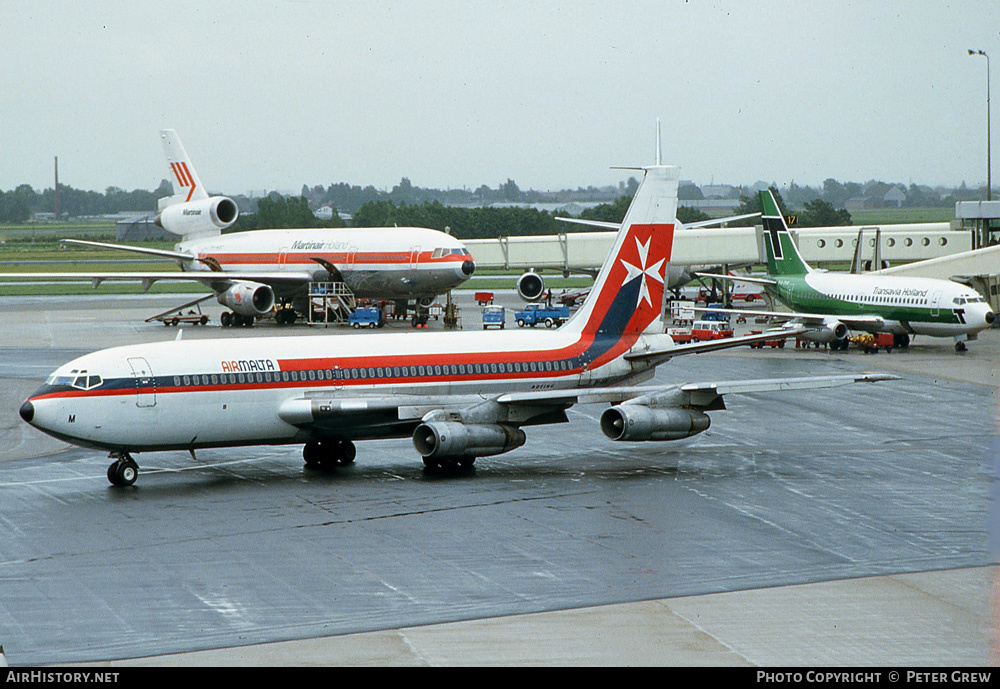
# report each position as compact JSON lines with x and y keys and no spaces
{"x":468,"y":267}
{"x":27,"y":411}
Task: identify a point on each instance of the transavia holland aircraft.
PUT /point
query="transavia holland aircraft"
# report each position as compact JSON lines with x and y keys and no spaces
{"x":831,"y":304}
{"x":252,"y":271}
{"x":460,"y":395}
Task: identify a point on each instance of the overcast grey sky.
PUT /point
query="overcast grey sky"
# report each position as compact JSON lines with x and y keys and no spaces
{"x":271,"y":95}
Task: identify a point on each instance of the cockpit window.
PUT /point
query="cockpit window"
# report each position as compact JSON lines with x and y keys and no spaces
{"x":80,"y":380}
{"x":438,"y":253}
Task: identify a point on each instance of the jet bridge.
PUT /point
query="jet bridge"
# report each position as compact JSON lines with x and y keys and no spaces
{"x":585,"y":251}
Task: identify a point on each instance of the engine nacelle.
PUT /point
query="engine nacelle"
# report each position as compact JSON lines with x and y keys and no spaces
{"x":207,"y":216}
{"x":450,"y":439}
{"x":248,"y":298}
{"x":831,"y":331}
{"x":639,"y":422}
{"x":530,"y":286}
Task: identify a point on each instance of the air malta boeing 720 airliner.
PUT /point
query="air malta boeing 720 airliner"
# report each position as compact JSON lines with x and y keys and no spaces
{"x":459,"y":395}
{"x":250,"y":271}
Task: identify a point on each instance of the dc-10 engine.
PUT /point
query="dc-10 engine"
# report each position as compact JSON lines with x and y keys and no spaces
{"x":639,"y":422}
{"x":248,"y":299}
{"x":444,"y":440}
{"x":206,"y":216}
{"x":530,"y":286}
{"x":830,"y":331}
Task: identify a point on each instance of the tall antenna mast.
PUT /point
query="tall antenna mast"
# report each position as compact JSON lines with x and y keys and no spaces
{"x":659,"y":149}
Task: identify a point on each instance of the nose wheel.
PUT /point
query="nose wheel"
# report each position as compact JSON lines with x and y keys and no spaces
{"x":123,"y":471}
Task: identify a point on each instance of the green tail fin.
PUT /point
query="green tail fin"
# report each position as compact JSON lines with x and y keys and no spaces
{"x":782,"y":255}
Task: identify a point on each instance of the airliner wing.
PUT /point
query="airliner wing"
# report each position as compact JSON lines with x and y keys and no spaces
{"x":345,"y":414}
{"x":702,"y":394}
{"x":807,"y":320}
{"x":656,"y":356}
{"x":205,"y":277}
{"x":162,"y":253}
{"x":739,"y":278}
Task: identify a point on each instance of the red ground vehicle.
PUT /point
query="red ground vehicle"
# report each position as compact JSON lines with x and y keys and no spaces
{"x":778,"y":343}
{"x":711,"y":330}
{"x":483,"y":298}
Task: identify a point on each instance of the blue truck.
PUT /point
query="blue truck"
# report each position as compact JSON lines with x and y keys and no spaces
{"x":366,"y":317}
{"x":533,"y":314}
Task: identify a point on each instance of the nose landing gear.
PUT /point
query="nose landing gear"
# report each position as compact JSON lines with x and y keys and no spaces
{"x":123,"y":471}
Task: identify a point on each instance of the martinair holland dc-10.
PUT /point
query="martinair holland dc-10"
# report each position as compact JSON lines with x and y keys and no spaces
{"x":252,"y":271}
{"x":458,"y":395}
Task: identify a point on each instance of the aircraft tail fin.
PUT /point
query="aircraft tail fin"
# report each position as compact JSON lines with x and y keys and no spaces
{"x":187,"y":181}
{"x":627,"y":297}
{"x":783,"y":256}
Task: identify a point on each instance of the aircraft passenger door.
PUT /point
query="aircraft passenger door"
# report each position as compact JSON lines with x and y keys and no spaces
{"x":282,"y":258}
{"x":936,"y":304}
{"x":145,"y":383}
{"x":414,"y":257}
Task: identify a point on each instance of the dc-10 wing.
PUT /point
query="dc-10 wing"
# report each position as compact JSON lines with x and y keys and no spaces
{"x":162,"y":253}
{"x":213,"y":279}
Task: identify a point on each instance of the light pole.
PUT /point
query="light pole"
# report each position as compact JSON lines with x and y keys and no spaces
{"x":989,"y":181}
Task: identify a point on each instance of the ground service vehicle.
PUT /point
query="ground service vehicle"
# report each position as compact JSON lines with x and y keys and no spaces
{"x":494,"y":316}
{"x":710,"y":330}
{"x":533,"y":314}
{"x":366,"y":317}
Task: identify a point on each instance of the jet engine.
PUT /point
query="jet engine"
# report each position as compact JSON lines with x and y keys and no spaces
{"x":248,"y":298}
{"x":207,"y":216}
{"x":530,"y":286}
{"x":639,"y":422}
{"x":440,"y":439}
{"x":830,"y":331}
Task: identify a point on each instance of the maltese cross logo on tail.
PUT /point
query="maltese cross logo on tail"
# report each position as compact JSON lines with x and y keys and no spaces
{"x":654,"y":271}
{"x":648,"y":261}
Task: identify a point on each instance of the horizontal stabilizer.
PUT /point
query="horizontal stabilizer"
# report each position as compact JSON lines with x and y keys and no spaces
{"x":163,"y":253}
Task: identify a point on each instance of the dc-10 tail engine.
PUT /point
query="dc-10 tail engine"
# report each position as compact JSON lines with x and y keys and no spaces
{"x":195,"y":218}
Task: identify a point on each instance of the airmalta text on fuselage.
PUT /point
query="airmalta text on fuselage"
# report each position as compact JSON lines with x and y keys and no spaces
{"x":249,"y":365}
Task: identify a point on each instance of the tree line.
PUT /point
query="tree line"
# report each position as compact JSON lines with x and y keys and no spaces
{"x":465,"y":212}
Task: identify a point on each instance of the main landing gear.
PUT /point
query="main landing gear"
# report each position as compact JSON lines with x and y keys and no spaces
{"x":123,"y":471}
{"x":449,"y":463}
{"x":323,"y":454}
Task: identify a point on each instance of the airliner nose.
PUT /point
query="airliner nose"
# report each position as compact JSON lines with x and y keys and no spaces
{"x":990,"y":317}
{"x":468,"y":267}
{"x":27,"y":411}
